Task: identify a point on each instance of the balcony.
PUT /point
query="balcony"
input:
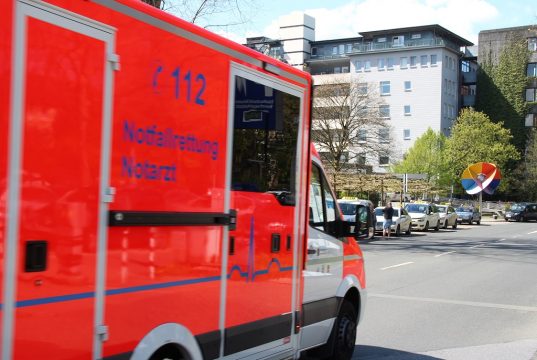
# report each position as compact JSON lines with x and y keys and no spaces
{"x":469,"y":77}
{"x":468,"y":100}
{"x":408,"y":44}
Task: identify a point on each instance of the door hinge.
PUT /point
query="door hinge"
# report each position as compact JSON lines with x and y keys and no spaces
{"x":102,"y":332}
{"x":114,"y":60}
{"x":109,"y":195}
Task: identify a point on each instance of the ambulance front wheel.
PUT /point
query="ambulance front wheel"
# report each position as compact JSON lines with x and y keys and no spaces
{"x":168,"y":352}
{"x":345,"y":332}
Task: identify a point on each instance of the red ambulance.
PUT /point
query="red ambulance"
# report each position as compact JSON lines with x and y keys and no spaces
{"x":159,"y":197}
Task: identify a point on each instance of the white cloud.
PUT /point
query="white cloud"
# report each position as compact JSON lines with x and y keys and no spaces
{"x":463,"y":17}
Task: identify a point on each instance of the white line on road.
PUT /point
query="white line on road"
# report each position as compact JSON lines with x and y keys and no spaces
{"x":533,"y":232}
{"x":449,"y":252}
{"x":457,"y":302}
{"x":394,"y":266}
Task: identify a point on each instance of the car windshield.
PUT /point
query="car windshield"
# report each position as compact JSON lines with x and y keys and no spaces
{"x":442,"y":208}
{"x":416,"y":208}
{"x":378,"y":212}
{"x":463,"y":209}
{"x":517,"y":207}
{"x":348,"y":209}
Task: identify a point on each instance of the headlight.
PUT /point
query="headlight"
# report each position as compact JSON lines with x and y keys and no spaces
{"x":421,"y":219}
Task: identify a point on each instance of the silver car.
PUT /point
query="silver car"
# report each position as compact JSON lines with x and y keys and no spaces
{"x":448,"y":216}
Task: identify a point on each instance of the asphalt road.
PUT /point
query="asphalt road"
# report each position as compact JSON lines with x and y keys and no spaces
{"x":469,"y":293}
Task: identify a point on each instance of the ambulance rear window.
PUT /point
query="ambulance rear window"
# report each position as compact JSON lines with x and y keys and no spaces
{"x":265,"y":138}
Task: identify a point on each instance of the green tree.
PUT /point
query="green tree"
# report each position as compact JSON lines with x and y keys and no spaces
{"x":501,"y":88}
{"x":426,"y":156}
{"x":523,"y":182}
{"x":476,"y":138}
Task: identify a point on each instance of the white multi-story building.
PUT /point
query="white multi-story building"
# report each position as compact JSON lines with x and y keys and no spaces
{"x":415,"y":69}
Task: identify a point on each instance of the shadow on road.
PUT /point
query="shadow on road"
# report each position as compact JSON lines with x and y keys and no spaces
{"x":365,"y":352}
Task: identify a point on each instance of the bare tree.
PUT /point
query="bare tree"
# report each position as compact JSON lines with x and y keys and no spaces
{"x":209,"y":13}
{"x":349,"y":124}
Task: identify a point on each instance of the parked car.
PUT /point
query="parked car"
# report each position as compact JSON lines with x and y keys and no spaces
{"x":522,"y":212}
{"x":348,"y":209}
{"x":448,"y":216}
{"x":424,"y":216}
{"x":402,"y":222}
{"x":468,"y":215}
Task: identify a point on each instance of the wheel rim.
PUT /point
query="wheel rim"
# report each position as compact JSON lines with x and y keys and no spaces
{"x":347,"y":333}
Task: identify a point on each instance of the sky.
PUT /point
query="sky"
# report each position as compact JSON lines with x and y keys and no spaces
{"x":336,"y":19}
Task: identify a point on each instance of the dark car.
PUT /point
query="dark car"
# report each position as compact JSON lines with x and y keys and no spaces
{"x":522,"y":212}
{"x":468,"y":215}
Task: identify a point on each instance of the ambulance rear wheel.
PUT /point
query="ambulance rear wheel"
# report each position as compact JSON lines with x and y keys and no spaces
{"x":345,"y":332}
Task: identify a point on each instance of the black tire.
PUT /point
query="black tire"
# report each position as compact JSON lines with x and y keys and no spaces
{"x":168,"y":352}
{"x":344,"y":332}
{"x":469,"y":222}
{"x":478,"y":222}
{"x":454,"y":225}
{"x":408,"y":231}
{"x":426,"y":228}
{"x":398,"y":231}
{"x":445,"y":224}
{"x":437,"y":227}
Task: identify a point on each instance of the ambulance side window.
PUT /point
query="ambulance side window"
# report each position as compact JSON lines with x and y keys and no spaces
{"x":322,"y":203}
{"x":265,"y":137}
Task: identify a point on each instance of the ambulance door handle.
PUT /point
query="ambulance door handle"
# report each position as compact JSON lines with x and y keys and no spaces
{"x":312,"y":251}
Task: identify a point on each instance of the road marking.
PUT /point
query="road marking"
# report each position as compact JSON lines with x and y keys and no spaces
{"x":449,"y":252}
{"x":473,"y":247}
{"x":502,"y":239}
{"x":533,"y":232}
{"x":457,"y":302}
{"x":394,"y":266}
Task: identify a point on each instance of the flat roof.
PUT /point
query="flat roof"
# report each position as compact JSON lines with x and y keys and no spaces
{"x":437,"y":29}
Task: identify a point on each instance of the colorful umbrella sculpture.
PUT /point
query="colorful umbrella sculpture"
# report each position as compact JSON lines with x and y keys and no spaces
{"x":479,"y":177}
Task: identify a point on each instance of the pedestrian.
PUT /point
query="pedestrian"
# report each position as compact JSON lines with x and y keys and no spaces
{"x":388,"y":216}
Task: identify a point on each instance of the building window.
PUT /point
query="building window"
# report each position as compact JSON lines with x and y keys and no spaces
{"x":313,"y":51}
{"x":445,"y":61}
{"x":360,"y":159}
{"x":337,"y":70}
{"x":416,"y":36}
{"x":531,"y":95}
{"x":381,"y":40}
{"x":407,"y":110}
{"x":531,"y":120}
{"x":408,"y":86}
{"x":389,"y":63}
{"x":384,"y":111}
{"x":403,"y":64}
{"x":361,"y":88}
{"x":406,"y":134}
{"x":384,"y":160}
{"x":334,"y":50}
{"x":381,"y":64}
{"x":423,"y":60}
{"x":413,"y":61}
{"x":433,"y":60}
{"x":532,"y":69}
{"x":344,"y":69}
{"x":342,"y":49}
{"x":358,"y":66}
{"x":384,"y":135}
{"x":384,"y":88}
{"x":532,"y":44}
{"x":398,"y":40}
{"x":348,"y":48}
{"x":367,"y":65}
{"x":362,"y":135}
